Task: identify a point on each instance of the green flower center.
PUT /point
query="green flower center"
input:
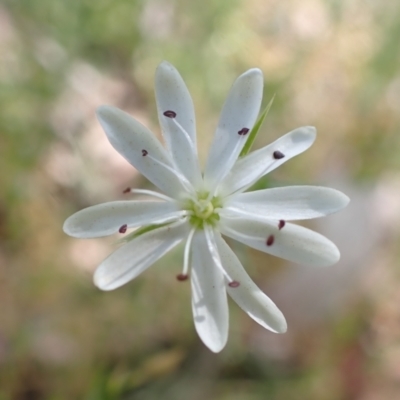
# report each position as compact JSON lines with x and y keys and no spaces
{"x":203,"y":210}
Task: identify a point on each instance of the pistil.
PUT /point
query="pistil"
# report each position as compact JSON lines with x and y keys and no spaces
{"x":203,"y":209}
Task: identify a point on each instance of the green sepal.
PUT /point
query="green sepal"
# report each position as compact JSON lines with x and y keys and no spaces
{"x":254,"y":132}
{"x":141,"y":231}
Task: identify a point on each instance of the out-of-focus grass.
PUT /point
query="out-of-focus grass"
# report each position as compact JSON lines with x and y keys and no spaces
{"x":332,"y":64}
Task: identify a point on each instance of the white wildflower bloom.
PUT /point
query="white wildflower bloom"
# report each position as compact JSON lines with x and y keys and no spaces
{"x":198,"y":208}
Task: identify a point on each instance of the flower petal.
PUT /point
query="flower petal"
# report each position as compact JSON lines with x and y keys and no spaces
{"x":133,"y":258}
{"x":247,"y":295}
{"x":179,"y":131}
{"x":238,"y":116}
{"x":292,"y":242}
{"x":251,"y":168}
{"x":106,"y":219}
{"x":288,"y":203}
{"x":209,"y":302}
{"x":173,"y":95}
{"x":141,"y":148}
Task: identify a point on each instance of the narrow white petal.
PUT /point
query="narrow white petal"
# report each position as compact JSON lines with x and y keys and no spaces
{"x":240,"y":111}
{"x":133,"y":258}
{"x":173,"y":95}
{"x":106,"y":219}
{"x":131,"y":139}
{"x":247,"y":295}
{"x":209,"y":302}
{"x":291,"y":242}
{"x":288,"y":203}
{"x":180,"y":131}
{"x":252,"y":167}
{"x":150,"y":193}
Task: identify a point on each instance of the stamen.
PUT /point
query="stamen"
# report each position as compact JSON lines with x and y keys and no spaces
{"x":186,"y":254}
{"x":232,"y":212}
{"x":188,"y":138}
{"x":149,"y":192}
{"x":214,"y":253}
{"x":174,"y":216}
{"x":144,"y":153}
{"x":244,"y":131}
{"x":123,"y":228}
{"x":278,"y":155}
{"x":170,"y":114}
{"x":229,"y":163}
{"x":181,"y":177}
{"x":175,"y":129}
{"x":127,"y":190}
{"x":270,"y":240}
{"x":234,"y":284}
{"x":182,"y":277}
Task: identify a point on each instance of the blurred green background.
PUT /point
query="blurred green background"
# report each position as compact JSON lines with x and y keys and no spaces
{"x":332,"y":64}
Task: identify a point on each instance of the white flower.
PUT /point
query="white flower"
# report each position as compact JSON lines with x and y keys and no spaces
{"x":198,"y":208}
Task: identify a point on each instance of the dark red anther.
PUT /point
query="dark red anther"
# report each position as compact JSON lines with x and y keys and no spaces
{"x":123,"y":228}
{"x":270,"y":240}
{"x":278,"y":155}
{"x":144,"y":153}
{"x":127,"y":190}
{"x":244,"y":131}
{"x":234,"y":284}
{"x":281,"y":224}
{"x":182,"y":277}
{"x":170,"y":114}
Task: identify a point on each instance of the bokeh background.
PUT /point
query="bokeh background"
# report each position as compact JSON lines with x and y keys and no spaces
{"x":332,"y":64}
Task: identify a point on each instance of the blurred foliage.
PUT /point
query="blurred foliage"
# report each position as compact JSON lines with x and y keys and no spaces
{"x":332,"y":64}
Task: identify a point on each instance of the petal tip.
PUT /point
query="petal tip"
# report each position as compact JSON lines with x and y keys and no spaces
{"x":103,"y":109}
{"x":345,"y":199}
{"x":336,"y":256}
{"x":254,"y":72}
{"x":71,"y":227}
{"x":335,"y":200}
{"x":253,"y":76}
{"x":311,"y":131}
{"x":166,"y":71}
{"x":215,"y":347}
{"x":282,"y":327}
{"x":104,"y":112}
{"x":67,"y":227}
{"x":333,"y":257}
{"x":279,"y":324}
{"x":101,"y":281}
{"x":165,"y":65}
{"x":341,"y":200}
{"x":305,"y":135}
{"x":311,"y":128}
